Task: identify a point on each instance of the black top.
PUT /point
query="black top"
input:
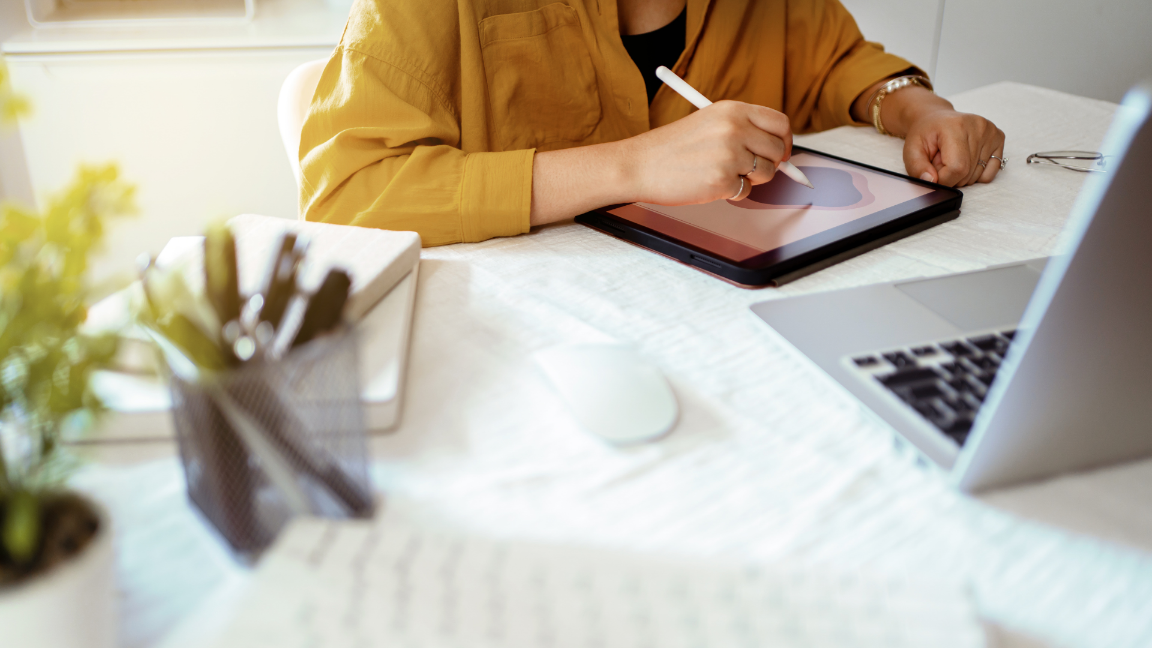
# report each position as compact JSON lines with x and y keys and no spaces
{"x":655,"y":48}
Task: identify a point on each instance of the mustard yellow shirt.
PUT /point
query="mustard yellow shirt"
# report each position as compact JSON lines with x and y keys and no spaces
{"x":428,"y":114}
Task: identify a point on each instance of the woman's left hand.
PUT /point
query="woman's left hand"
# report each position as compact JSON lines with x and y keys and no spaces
{"x":940,"y":144}
{"x":953,"y":148}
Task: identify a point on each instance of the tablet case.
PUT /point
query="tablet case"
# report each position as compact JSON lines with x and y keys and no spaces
{"x":861,"y":249}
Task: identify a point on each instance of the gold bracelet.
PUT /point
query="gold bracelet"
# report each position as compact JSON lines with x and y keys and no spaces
{"x":888,"y":88}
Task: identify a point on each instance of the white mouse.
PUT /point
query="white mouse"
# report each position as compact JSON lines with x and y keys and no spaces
{"x":612,"y":391}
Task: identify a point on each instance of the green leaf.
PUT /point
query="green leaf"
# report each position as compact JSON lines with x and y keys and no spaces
{"x":45,"y":363}
{"x":17,"y":224}
{"x":14,"y":107}
{"x":21,"y":531}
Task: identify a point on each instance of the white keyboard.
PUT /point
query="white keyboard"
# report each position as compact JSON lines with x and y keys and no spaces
{"x":387,"y":584}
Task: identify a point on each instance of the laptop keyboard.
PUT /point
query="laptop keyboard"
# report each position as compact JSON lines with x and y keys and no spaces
{"x":944,"y":382}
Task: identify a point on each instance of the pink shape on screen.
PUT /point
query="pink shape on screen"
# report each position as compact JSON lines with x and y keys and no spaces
{"x":836,"y":190}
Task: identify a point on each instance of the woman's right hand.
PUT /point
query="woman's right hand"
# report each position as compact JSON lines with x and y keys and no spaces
{"x":701,"y":157}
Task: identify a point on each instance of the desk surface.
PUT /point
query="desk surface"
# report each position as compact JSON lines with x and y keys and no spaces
{"x":771,"y":459}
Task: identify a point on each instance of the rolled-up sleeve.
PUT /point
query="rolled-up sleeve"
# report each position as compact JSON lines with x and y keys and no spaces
{"x":829,"y":65}
{"x":380,"y":148}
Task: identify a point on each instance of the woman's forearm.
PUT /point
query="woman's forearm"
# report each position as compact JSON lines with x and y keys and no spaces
{"x":574,"y":181}
{"x":940,"y":144}
{"x":900,"y":109}
{"x":718,"y":152}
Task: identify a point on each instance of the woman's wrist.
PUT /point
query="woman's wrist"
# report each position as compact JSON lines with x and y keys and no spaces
{"x":573,"y":181}
{"x":899,"y":109}
{"x":907,"y":106}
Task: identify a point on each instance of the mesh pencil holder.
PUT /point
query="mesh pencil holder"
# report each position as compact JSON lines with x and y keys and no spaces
{"x":271,"y":440}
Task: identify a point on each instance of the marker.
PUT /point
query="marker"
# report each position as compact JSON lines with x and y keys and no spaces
{"x":280,"y":283}
{"x":700,"y":101}
{"x":325,"y":308}
{"x":221,"y":278}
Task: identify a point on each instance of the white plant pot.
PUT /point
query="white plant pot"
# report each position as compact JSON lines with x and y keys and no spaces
{"x":71,"y":606}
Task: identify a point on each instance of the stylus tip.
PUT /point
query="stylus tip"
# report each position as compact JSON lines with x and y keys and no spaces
{"x":809,"y":185}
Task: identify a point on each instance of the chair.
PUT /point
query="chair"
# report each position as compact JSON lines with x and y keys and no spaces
{"x":292,"y":107}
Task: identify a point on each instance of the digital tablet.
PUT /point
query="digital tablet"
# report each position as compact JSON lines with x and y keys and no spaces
{"x":784,"y":230}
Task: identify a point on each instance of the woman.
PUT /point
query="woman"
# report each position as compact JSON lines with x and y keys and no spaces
{"x":469,"y":119}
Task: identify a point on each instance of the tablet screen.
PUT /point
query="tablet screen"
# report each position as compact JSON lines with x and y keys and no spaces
{"x":781,"y":211}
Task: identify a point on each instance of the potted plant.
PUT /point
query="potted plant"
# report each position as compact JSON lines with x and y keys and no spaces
{"x":56,"y":559}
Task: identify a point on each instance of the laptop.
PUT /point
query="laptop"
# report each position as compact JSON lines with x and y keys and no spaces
{"x":1017,"y":372}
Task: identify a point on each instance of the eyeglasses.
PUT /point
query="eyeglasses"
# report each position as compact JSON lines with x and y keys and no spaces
{"x":1083,"y":161}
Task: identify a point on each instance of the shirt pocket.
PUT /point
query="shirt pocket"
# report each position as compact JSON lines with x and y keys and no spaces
{"x":541,"y":83}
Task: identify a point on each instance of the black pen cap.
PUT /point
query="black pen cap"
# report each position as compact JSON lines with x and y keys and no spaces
{"x":326,"y":308}
{"x":278,"y":268}
{"x":280,"y":283}
{"x":221,"y":277}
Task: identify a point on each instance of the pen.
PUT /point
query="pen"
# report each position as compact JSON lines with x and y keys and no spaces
{"x":326,"y":308}
{"x":700,"y":101}
{"x":172,"y":323}
{"x":281,"y":282}
{"x":221,"y":280}
{"x":168,"y":293}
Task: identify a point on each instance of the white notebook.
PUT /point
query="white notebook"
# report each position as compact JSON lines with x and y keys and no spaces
{"x":383,"y":266}
{"x":390,"y":584}
{"x":375,"y":259}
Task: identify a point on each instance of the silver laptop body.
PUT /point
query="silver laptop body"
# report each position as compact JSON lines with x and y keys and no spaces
{"x":1016,"y":372}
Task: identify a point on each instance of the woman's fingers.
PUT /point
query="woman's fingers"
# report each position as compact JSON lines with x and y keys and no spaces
{"x":765,"y":145}
{"x":959,"y":148}
{"x":988,"y":173}
{"x":918,"y":158}
{"x":755,"y":153}
{"x":765,"y":170}
{"x":988,"y":141}
{"x":742,"y":187}
{"x":770,"y":147}
{"x":979,"y":153}
{"x":708,"y":155}
{"x":979,"y":132}
{"x":957,"y":159}
{"x":994,"y":165}
{"x":767,"y":150}
{"x":744,"y":131}
{"x":771,"y":122}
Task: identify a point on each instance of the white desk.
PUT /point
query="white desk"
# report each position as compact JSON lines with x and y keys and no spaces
{"x":771,"y":459}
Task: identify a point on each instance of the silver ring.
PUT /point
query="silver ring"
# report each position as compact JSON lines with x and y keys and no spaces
{"x":755,"y":161}
{"x":741,"y":189}
{"x":1003,"y":161}
{"x":982,"y":163}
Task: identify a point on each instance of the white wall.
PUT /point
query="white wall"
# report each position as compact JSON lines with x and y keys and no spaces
{"x":907,"y":28}
{"x":195,"y":131}
{"x":1096,"y":48}
{"x":14,"y":182}
{"x":188,"y":112}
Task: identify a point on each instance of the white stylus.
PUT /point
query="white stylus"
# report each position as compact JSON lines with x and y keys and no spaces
{"x":700,"y":101}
